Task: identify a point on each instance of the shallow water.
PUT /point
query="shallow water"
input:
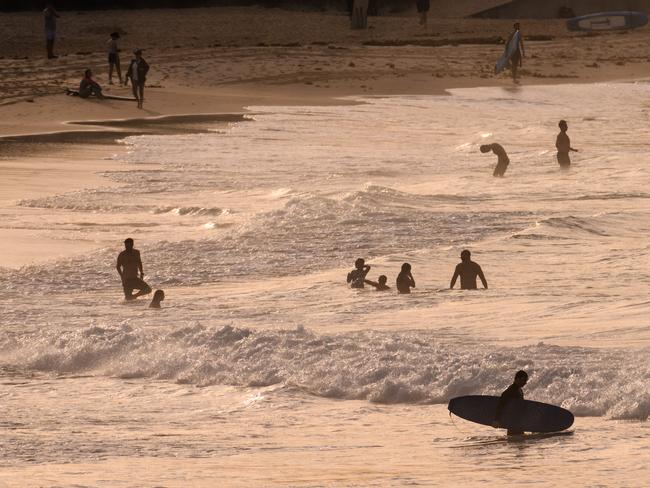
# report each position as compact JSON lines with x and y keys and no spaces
{"x":264,"y":368}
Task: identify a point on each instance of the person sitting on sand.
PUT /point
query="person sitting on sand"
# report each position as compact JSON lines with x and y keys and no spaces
{"x":128,"y":265}
{"x":137,"y":71}
{"x":516,"y":60}
{"x":158,"y":297}
{"x":380,"y":284}
{"x":468,"y":270}
{"x":503,"y":161}
{"x":89,"y":87}
{"x":513,"y":391}
{"x":563,"y":145}
{"x":357,"y":276}
{"x":405,"y":279}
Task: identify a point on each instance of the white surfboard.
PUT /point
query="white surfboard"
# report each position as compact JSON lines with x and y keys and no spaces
{"x":511,"y":48}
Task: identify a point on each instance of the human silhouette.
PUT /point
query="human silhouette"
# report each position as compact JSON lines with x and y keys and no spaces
{"x":88,"y":86}
{"x":380,"y":285}
{"x":357,"y":276}
{"x":158,"y":297}
{"x":114,"y":57}
{"x":405,"y":279}
{"x":137,"y":72}
{"x":513,"y":391}
{"x":563,"y":145}
{"x":468,"y":270}
{"x":49,"y":17}
{"x":128,"y":266}
{"x":502,"y":162}
{"x":517,"y":57}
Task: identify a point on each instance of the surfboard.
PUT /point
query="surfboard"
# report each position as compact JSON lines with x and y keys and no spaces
{"x":106,"y":96}
{"x":518,"y":415}
{"x":511,"y":48}
{"x":608,"y":21}
{"x":359,"y":19}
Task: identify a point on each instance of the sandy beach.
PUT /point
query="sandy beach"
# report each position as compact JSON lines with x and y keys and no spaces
{"x":274,"y":148}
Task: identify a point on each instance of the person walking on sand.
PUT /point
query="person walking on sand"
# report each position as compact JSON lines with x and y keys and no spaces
{"x":423,"y":7}
{"x":513,"y":391}
{"x":128,"y":266}
{"x":516,"y":60}
{"x":137,"y":71}
{"x":114,"y":58}
{"x":49,"y":16}
{"x":357,"y":276}
{"x":563,"y":145}
{"x":405,"y":281}
{"x":468,"y":270}
{"x":502,"y":162}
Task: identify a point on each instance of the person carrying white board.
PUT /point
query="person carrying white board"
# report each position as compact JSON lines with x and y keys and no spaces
{"x":520,"y":52}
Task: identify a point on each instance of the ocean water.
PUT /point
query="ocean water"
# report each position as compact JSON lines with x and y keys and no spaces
{"x":264,"y":369}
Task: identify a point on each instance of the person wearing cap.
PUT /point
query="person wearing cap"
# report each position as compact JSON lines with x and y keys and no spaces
{"x":468,"y":270}
{"x":137,"y":71}
{"x":114,"y":58}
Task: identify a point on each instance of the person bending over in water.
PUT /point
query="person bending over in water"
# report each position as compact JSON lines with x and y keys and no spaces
{"x":158,"y":297}
{"x":513,"y":391}
{"x":380,"y":285}
{"x":357,"y":276}
{"x":563,"y":145}
{"x":128,"y":265}
{"x":89,"y":87}
{"x":468,"y":270}
{"x":503,"y":161}
{"x":405,"y":279}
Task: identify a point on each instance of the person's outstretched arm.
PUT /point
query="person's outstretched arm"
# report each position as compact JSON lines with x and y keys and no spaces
{"x":371,"y":283}
{"x":482,"y":276}
{"x":454,"y":278}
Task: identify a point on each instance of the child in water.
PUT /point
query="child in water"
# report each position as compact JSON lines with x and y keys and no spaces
{"x":158,"y":297}
{"x":380,"y":285}
{"x":405,"y":279}
{"x":563,"y":145}
{"x":357,"y":276}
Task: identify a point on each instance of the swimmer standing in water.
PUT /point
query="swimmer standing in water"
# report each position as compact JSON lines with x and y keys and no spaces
{"x":503,"y":161}
{"x":563,"y":145}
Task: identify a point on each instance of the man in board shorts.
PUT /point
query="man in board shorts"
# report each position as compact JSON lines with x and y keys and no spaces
{"x":129,"y":266}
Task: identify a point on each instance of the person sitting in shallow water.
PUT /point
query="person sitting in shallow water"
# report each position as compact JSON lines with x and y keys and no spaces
{"x":158,"y":297}
{"x":502,"y":162}
{"x":357,"y":276}
{"x":380,"y":285}
{"x":405,"y":279}
{"x":89,"y":87}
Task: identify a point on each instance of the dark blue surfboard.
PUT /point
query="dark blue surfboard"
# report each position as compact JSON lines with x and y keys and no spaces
{"x":608,"y":21}
{"x":518,"y":415}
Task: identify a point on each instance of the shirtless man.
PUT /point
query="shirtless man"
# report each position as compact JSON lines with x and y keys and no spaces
{"x":503,"y":161}
{"x":563,"y":145}
{"x":513,"y":391}
{"x":380,"y":284}
{"x":128,"y":266}
{"x":357,"y":276}
{"x":468,"y":270}
{"x":405,"y":280}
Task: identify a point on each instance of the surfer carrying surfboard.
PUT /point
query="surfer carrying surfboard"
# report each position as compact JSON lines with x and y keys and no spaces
{"x":563,"y":145}
{"x":518,"y":52}
{"x":513,"y":391}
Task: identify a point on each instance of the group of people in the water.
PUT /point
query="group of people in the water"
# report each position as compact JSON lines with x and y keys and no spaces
{"x":467,"y":270}
{"x":562,"y":144}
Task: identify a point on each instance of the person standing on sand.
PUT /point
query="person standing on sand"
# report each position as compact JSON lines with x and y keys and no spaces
{"x":114,"y":58}
{"x":513,"y":391}
{"x":503,"y":161}
{"x":563,"y":145}
{"x":423,"y":7}
{"x":517,"y":57}
{"x":49,"y":16}
{"x":137,"y":71}
{"x":128,"y":266}
{"x":405,"y":281}
{"x":468,"y":270}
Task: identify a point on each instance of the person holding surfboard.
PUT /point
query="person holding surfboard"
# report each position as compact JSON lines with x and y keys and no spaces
{"x":513,"y":391}
{"x":563,"y":145}
{"x":518,"y":51}
{"x":503,"y":161}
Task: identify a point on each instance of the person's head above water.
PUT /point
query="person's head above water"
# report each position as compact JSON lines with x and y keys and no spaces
{"x":521,"y":378}
{"x":406,"y":268}
{"x":382,"y":280}
{"x":158,"y":297}
{"x":465,"y":255}
{"x":128,"y":243}
{"x":485,"y":148}
{"x":563,"y":125}
{"x":359,"y":263}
